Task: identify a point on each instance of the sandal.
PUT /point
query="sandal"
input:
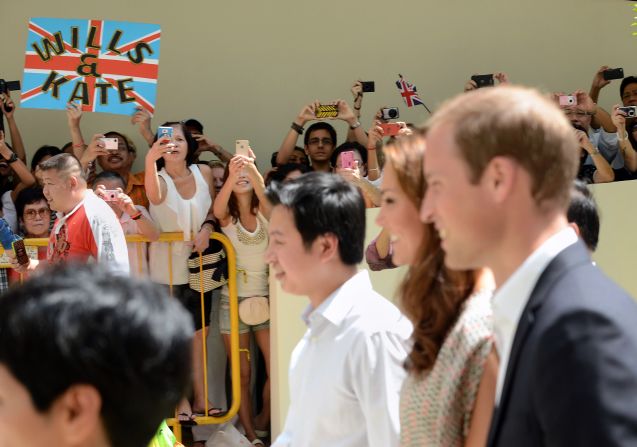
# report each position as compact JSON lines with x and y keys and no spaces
{"x":187,"y":420}
{"x":213,"y":411}
{"x":257,"y":441}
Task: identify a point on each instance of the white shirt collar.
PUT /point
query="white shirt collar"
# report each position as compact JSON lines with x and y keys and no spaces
{"x":339,"y":302}
{"x":511,"y":298}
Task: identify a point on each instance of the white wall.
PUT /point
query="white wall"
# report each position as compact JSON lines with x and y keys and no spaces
{"x":246,"y":68}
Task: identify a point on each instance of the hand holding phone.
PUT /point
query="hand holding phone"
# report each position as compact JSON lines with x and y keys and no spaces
{"x":483,"y":80}
{"x":242,"y":147}
{"x":326,"y":111}
{"x":347,"y":160}
{"x":368,"y":86}
{"x":613,"y":73}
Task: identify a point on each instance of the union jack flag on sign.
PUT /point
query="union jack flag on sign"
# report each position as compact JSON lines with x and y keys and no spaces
{"x":409,"y":94}
{"x":106,"y":66}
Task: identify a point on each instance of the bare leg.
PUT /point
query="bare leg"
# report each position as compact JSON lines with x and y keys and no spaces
{"x":245,"y":410}
{"x":262,"y":420}
{"x":200,"y":404}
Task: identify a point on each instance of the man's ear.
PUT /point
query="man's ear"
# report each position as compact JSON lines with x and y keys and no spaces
{"x":326,"y":246}
{"x":77,"y":413}
{"x":500,"y":176}
{"x":72,"y":181}
{"x":575,"y":227}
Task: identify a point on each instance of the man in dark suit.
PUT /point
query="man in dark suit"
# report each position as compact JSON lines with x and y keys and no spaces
{"x":499,"y":167}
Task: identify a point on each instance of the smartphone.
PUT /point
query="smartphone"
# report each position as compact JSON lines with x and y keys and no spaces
{"x":390,"y":129}
{"x":629,"y":111}
{"x":164,"y":132}
{"x":483,"y":80}
{"x":389,"y":113}
{"x":326,"y":111}
{"x":110,"y":195}
{"x":613,"y":73}
{"x":568,"y":100}
{"x":347,"y":160}
{"x":368,"y":86}
{"x":110,"y":144}
{"x":242,"y":147}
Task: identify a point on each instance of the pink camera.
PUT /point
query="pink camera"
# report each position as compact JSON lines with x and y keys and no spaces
{"x":110,"y":195}
{"x":568,"y":100}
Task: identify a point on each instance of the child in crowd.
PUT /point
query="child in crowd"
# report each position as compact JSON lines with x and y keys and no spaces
{"x":135,"y":219}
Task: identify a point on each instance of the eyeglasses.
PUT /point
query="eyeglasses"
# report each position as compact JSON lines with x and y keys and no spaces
{"x":324,"y":141}
{"x":42,"y":212}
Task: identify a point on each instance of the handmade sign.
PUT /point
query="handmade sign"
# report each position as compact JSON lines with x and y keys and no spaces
{"x":104,"y":65}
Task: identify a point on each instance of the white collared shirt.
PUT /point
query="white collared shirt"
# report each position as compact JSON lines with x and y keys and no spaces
{"x":510,"y":300}
{"x":347,"y":371}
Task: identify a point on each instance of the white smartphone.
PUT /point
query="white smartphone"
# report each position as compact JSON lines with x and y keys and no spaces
{"x":242,"y":147}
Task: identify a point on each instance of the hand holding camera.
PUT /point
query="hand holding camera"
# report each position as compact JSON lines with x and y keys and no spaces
{"x":7,"y":105}
{"x":345,"y":112}
{"x":585,"y":102}
{"x":95,"y":148}
{"x":307,"y":113}
{"x":620,"y":114}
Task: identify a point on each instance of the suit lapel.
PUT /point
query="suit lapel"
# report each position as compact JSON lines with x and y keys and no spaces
{"x":572,"y":255}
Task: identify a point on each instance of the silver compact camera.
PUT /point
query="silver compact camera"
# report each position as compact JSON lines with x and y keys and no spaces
{"x":629,"y":111}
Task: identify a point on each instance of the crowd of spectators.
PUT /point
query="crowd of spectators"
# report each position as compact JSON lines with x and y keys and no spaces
{"x":179,"y":192}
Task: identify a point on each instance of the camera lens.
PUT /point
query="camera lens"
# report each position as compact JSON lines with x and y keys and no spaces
{"x":393,"y":113}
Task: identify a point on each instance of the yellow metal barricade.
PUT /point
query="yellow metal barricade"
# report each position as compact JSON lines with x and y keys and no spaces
{"x":234,"y":318}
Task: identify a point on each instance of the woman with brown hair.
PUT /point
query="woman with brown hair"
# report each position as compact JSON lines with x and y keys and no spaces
{"x":447,"y":398}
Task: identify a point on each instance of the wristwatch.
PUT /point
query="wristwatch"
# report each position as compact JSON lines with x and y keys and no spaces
{"x":12,"y":159}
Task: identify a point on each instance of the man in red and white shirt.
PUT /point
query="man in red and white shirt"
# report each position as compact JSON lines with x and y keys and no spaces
{"x":86,"y":228}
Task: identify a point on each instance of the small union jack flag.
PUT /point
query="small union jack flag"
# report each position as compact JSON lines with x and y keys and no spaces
{"x":104,"y":65}
{"x":409,"y":93}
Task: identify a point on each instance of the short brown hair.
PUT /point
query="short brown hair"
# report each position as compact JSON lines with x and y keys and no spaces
{"x":521,"y":124}
{"x":431,"y":295}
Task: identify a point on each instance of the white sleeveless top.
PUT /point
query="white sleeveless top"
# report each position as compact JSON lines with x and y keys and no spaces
{"x":252,"y":270}
{"x":177,"y":214}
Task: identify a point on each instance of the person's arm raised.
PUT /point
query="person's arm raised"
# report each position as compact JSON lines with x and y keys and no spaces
{"x":18,"y":166}
{"x":155,"y":186}
{"x":346,"y":114}
{"x":625,"y":146}
{"x":14,"y":132}
{"x":141,"y":119}
{"x":598,"y":83}
{"x":73,"y":118}
{"x":306,"y":114}
{"x":220,"y":206}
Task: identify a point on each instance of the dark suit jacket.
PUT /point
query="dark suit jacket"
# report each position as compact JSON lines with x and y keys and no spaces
{"x":571,"y":379}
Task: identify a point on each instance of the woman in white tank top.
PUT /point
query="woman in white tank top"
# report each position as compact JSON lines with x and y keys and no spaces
{"x":243,"y":212}
{"x":181,"y":196}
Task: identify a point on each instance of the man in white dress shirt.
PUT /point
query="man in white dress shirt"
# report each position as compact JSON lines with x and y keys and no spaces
{"x":499,"y":166}
{"x":347,"y":371}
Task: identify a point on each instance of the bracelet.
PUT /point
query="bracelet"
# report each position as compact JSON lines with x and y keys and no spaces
{"x":371,"y":149}
{"x":212,"y":223}
{"x":12,"y":159}
{"x":622,"y":138}
{"x":79,"y":145}
{"x":356,"y":108}
{"x":137,"y":216}
{"x":355,"y":125}
{"x":297,"y":128}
